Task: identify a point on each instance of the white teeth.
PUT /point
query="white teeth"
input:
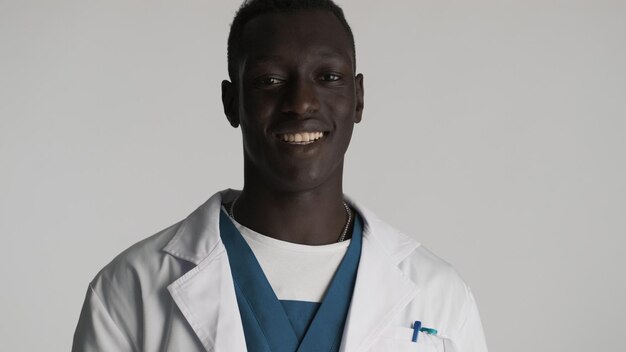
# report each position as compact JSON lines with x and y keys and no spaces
{"x":302,"y":137}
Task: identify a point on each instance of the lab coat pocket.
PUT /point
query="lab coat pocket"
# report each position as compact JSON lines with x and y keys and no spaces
{"x":399,"y":339}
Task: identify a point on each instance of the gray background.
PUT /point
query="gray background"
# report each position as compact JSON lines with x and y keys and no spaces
{"x":494,"y":132}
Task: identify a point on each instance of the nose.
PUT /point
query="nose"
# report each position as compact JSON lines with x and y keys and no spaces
{"x":300,"y":98}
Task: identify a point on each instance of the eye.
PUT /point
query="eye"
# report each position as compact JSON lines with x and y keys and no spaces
{"x":268,"y":81}
{"x":330,"y":77}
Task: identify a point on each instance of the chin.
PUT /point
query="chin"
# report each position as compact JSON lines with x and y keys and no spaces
{"x":294,"y":177}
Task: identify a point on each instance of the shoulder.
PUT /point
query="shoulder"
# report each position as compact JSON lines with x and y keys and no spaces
{"x":437,"y":280}
{"x":427,"y":269}
{"x":139,"y":257}
{"x":423,"y":267}
{"x":141,"y":272}
{"x":443,"y":299}
{"x":151,"y":264}
{"x":416,"y":262}
{"x":132,"y":285}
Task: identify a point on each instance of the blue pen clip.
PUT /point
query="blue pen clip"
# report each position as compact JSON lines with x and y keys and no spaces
{"x":417,"y":327}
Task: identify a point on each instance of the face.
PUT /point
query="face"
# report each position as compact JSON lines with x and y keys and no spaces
{"x":296,"y":98}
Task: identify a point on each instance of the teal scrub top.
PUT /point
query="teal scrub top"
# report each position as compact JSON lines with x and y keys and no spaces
{"x":272,"y":325}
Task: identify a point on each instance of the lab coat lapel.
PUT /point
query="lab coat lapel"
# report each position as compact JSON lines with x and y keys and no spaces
{"x":205,"y":295}
{"x":381,"y":290}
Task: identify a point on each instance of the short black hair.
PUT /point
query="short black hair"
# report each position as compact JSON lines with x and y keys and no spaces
{"x":253,"y":8}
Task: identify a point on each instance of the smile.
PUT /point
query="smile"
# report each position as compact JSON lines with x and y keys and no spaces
{"x":301,"y":137}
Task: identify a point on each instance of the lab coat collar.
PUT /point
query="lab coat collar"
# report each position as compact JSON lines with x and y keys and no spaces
{"x":199,"y":234}
{"x":206,"y":295}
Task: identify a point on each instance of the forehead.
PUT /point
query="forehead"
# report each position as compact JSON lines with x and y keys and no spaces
{"x":300,"y":35}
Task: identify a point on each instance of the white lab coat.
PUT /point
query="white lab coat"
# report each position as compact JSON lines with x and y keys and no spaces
{"x":174,"y":292}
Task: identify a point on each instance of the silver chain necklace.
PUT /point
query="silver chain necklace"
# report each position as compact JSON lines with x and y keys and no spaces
{"x":343,"y":233}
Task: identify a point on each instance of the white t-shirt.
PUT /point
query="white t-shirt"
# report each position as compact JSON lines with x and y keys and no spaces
{"x":296,"y":272}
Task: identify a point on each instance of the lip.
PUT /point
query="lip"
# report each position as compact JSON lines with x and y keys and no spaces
{"x":298,"y":126}
{"x":295,"y":126}
{"x":294,"y":143}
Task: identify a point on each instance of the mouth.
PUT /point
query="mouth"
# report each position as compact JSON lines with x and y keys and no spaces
{"x":301,"y":138}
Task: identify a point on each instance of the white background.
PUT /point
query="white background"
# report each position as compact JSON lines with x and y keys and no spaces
{"x":494,"y":132}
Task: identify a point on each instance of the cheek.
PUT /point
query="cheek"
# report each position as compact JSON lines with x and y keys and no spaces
{"x":344,"y":135}
{"x":259,"y":105}
{"x":344,"y":123}
{"x":341,"y":105}
{"x":255,"y":117}
{"x":255,"y":112}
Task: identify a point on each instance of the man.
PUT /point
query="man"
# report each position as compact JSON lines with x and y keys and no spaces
{"x":287,"y":264}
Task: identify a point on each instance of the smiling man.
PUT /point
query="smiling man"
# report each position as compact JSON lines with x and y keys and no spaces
{"x":288,"y":263}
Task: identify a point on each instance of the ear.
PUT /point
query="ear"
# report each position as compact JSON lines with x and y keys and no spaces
{"x":358,"y":83}
{"x":230,"y":103}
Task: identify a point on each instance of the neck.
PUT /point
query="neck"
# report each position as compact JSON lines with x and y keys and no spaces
{"x":312,"y":217}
